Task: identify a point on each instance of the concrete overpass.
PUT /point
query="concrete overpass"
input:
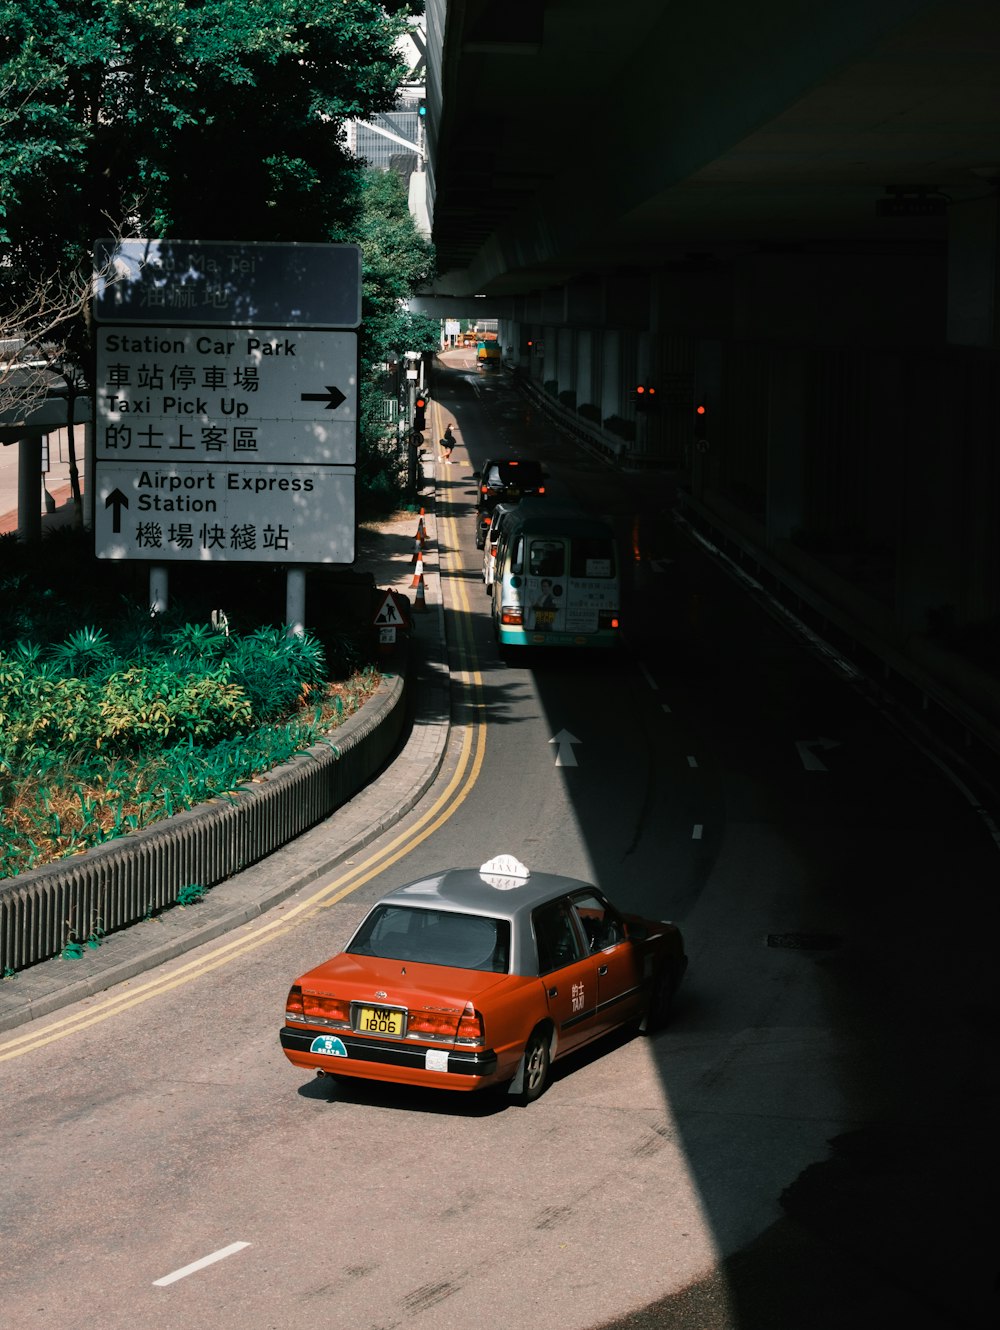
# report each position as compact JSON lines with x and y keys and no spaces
{"x":786,"y":212}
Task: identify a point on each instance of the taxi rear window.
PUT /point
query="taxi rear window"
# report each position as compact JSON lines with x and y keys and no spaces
{"x":517,"y":473}
{"x":434,"y":937}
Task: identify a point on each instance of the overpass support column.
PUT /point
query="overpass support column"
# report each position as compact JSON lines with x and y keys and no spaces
{"x":786,"y":444}
{"x":974,"y":272}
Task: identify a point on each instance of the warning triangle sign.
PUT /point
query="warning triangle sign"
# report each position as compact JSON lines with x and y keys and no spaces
{"x":389,"y":614}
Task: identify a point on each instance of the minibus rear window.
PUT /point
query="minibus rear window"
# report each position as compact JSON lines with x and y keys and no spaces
{"x":547,"y":558}
{"x":592,"y":556}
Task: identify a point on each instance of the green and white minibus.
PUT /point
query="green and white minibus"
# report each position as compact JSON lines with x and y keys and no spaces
{"x":556,"y":581}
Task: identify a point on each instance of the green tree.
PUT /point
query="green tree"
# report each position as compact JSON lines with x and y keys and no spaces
{"x":395,"y":261}
{"x":211,"y":120}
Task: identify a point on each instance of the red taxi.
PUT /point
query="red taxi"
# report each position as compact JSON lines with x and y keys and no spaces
{"x":481,"y":977}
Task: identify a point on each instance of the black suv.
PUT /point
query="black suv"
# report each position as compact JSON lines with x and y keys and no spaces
{"x":505,"y":480}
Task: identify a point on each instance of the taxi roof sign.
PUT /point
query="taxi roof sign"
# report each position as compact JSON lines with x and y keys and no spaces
{"x":504,"y":872}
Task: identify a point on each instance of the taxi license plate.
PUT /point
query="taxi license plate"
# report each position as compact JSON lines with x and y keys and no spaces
{"x":377,"y":1020}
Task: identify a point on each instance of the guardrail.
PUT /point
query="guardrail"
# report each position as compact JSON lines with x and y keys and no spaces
{"x":129,"y":879}
{"x":954,"y":702}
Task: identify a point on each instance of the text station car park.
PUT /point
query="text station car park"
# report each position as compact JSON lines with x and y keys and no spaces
{"x":473,"y":978}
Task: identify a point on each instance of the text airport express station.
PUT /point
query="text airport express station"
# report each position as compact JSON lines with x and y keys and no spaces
{"x":158,"y":491}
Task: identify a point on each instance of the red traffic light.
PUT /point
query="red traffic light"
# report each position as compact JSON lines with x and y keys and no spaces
{"x":421,"y":403}
{"x":701,"y":410}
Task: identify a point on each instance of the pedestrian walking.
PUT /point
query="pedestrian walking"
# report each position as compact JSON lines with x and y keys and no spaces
{"x":448,"y":442}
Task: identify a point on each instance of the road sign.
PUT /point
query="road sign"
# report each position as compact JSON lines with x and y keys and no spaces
{"x":210,"y":512}
{"x":227,"y":401}
{"x":248,"y":395}
{"x":221,"y":283}
{"x":393,"y":612}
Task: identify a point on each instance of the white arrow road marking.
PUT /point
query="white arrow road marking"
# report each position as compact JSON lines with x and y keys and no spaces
{"x":565,"y":757}
{"x":186,"y":1270}
{"x":809,"y":759}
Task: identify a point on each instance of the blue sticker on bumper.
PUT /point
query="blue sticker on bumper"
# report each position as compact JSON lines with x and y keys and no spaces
{"x":328,"y":1044}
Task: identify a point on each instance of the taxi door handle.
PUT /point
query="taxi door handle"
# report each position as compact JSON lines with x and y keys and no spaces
{"x":602,"y":969}
{"x":553,"y":992}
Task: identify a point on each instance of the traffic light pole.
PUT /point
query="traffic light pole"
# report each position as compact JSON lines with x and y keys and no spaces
{"x":412,"y":440}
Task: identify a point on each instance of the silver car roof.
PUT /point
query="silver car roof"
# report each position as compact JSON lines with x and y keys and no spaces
{"x":469,"y":890}
{"x":493,"y":894}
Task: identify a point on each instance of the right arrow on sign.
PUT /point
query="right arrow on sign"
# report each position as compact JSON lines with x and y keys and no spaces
{"x":333,"y":397}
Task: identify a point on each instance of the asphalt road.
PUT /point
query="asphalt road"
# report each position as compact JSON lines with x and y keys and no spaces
{"x":838,"y":897}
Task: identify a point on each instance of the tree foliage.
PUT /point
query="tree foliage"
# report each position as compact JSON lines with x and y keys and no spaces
{"x":197,"y":119}
{"x":211,"y":120}
{"x":395,"y":261}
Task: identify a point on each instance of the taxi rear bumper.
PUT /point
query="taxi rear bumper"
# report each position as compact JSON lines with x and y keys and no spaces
{"x":347,"y":1054}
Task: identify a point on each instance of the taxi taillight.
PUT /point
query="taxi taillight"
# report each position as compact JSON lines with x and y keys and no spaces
{"x":330,"y":1008}
{"x":470,"y":1027}
{"x":541,"y":489}
{"x":293,"y":1003}
{"x":432,"y":1023}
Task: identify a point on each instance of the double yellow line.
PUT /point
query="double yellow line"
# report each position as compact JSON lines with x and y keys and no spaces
{"x":472,"y":753}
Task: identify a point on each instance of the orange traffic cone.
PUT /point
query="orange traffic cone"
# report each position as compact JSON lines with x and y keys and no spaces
{"x":421,"y":529}
{"x":420,"y":604}
{"x":418,"y":570}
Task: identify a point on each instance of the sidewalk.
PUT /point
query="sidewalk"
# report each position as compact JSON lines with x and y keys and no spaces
{"x":386,"y":550}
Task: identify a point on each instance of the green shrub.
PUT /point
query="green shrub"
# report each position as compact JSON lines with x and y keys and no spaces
{"x":86,"y":652}
{"x":151,"y":706}
{"x":277,"y":670}
{"x":40,"y":714}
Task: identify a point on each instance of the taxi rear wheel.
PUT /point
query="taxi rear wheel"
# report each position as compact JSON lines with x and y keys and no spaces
{"x":660,"y":1003}
{"x":536,"y":1067}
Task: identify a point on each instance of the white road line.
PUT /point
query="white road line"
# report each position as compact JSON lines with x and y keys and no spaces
{"x":648,"y":677}
{"x":692,"y":761}
{"x":666,"y":709}
{"x":696,"y":831}
{"x":186,"y":1270}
